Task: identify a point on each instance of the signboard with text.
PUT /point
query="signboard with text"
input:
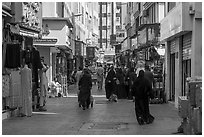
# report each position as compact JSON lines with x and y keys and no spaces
{"x":78,"y":45}
{"x":90,"y":52}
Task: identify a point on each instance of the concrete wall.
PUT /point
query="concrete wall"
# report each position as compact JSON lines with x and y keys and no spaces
{"x":196,"y":49}
{"x":178,"y":70}
{"x":47,"y":12}
{"x":57,"y":30}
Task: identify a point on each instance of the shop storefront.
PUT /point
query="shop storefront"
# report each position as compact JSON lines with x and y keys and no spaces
{"x":178,"y":31}
{"x":19,"y":55}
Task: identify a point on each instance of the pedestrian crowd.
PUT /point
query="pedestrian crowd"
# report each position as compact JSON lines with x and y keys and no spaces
{"x":120,"y":83}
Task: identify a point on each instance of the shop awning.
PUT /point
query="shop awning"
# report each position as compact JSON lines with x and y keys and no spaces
{"x":17,"y":29}
{"x":142,"y":26}
{"x":64,"y":48}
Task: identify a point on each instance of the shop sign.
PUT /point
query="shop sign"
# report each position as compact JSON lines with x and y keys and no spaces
{"x":90,"y":52}
{"x":45,"y":40}
{"x":78,"y":45}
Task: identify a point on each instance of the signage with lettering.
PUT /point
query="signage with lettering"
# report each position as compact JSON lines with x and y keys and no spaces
{"x":78,"y":45}
{"x":90,"y":52}
{"x":45,"y":40}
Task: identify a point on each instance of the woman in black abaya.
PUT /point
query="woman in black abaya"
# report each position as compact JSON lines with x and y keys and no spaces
{"x":110,"y":82}
{"x":141,"y":90}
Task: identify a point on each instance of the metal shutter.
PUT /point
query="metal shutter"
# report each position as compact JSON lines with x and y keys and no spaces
{"x":172,"y":46}
{"x":186,"y":47}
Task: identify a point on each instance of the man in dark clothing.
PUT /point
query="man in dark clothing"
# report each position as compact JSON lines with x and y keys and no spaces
{"x":110,"y":82}
{"x":120,"y":84}
{"x":140,"y":90}
{"x":130,"y":78}
{"x":149,"y":76}
{"x":85,"y":85}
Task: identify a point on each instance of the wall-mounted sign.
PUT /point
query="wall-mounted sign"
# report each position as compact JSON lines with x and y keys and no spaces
{"x":90,"y":52}
{"x":45,"y":40}
{"x":78,"y":45}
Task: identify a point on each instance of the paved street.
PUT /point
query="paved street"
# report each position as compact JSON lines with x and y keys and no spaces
{"x":64,"y":117}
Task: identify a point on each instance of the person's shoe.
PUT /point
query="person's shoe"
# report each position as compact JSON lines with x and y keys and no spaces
{"x":140,"y":121}
{"x":42,"y":109}
{"x":84,"y":108}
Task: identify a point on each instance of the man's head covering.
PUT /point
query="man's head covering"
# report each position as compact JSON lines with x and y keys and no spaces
{"x":141,"y":73}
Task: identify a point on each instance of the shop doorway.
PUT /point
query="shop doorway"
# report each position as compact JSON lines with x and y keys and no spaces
{"x":186,"y":72}
{"x":172,"y":77}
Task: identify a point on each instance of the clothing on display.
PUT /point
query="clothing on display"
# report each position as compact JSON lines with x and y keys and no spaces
{"x":26,"y":91}
{"x":15,"y":88}
{"x":12,"y":56}
{"x":5,"y":85}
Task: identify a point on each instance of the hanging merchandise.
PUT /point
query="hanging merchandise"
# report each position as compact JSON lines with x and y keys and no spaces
{"x":12,"y":56}
{"x":15,"y":88}
{"x":5,"y":85}
{"x":26,"y":91}
{"x":186,"y":48}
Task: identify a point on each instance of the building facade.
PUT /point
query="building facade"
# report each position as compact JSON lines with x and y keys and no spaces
{"x":181,"y":31}
{"x":21,"y":23}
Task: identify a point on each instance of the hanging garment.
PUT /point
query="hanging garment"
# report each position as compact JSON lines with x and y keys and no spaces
{"x":15,"y":88}
{"x":5,"y":85}
{"x":26,"y":91}
{"x":12,"y":56}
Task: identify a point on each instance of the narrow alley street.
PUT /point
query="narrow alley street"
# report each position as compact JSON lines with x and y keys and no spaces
{"x":64,"y":117}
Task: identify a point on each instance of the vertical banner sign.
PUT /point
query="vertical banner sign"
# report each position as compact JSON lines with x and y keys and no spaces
{"x":90,"y":52}
{"x":78,"y":45}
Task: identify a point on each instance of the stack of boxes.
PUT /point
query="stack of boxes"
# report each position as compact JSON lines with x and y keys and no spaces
{"x":190,"y":107}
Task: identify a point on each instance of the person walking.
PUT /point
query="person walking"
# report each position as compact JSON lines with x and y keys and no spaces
{"x":78,"y":76}
{"x":100,"y":72}
{"x":120,"y":84}
{"x":141,"y":90}
{"x":110,"y":82}
{"x":85,"y":85}
{"x":130,"y":78}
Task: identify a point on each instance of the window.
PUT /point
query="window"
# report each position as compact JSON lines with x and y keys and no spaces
{"x":171,"y":5}
{"x":118,"y":27}
{"x":103,"y":33}
{"x":139,"y":6}
{"x":103,"y":8}
{"x":103,"y":21}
